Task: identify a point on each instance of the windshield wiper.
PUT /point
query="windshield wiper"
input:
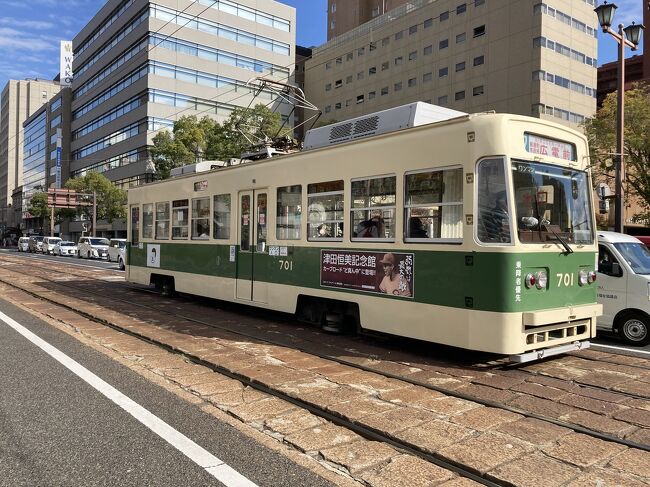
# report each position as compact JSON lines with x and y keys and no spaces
{"x":549,"y":228}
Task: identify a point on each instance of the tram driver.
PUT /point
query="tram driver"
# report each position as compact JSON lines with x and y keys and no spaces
{"x":496,"y":221}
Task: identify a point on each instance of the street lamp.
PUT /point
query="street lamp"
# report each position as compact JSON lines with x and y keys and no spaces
{"x":628,"y":36}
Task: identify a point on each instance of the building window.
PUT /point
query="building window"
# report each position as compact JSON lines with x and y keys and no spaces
{"x":413,"y":30}
{"x":443,"y":100}
{"x":461,"y":9}
{"x":427,"y":50}
{"x":412,"y":82}
{"x":289,"y":213}
{"x":413,"y":56}
{"x":385,"y":66}
{"x":442,"y":72}
{"x":385,"y":41}
{"x":479,"y":31}
{"x":328,"y":108}
{"x":428,"y":23}
{"x":397,"y":86}
{"x":338,"y":83}
{"x":399,"y":60}
{"x":444,"y":16}
{"x":399,"y":35}
{"x":375,"y":12}
{"x":328,"y":87}
{"x":372,"y":95}
{"x":361,"y":51}
{"x":478,"y":2}
{"x":443,"y":44}
{"x":348,"y":80}
{"x":337,"y":106}
{"x":372,"y":46}
{"x":348,"y":102}
{"x":460,"y":66}
{"x":349,"y":56}
{"x":360,"y":75}
{"x":339,"y":60}
{"x":328,"y":65}
{"x":333,"y":7}
{"x":333,"y":25}
{"x":460,"y":95}
{"x":460,"y":38}
{"x":426,"y":77}
{"x":478,"y":60}
{"x":384,"y":91}
{"x":478,"y":90}
{"x":360,"y":99}
{"x":372,"y":71}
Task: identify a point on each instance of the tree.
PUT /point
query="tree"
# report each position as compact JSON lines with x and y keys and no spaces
{"x":601,"y":132}
{"x":111,"y":200}
{"x":38,"y":206}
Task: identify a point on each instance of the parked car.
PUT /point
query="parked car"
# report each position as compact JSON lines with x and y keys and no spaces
{"x":92,"y":248}
{"x":65,"y":247}
{"x":624,"y":287}
{"x":48,"y":244}
{"x":117,"y":251}
{"x":645,"y":239}
{"x":23,"y":244}
{"x":35,"y":243}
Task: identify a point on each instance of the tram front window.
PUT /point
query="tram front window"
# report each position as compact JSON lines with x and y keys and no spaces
{"x":552,"y":204}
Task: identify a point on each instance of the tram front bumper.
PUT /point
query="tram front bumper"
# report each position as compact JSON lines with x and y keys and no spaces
{"x":549,"y":352}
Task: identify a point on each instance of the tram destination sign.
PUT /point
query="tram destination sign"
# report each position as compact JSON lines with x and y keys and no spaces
{"x":372,"y":272}
{"x":549,"y":147}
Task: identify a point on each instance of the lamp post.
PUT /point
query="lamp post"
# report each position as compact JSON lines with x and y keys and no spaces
{"x":628,"y":36}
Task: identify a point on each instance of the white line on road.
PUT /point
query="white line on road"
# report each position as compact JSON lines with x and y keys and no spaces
{"x":600,"y":345}
{"x":215,"y":467}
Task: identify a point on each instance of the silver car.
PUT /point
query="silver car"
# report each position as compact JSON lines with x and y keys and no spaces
{"x":48,"y":244}
{"x":116,"y":251}
{"x":65,"y":247}
{"x":23,"y":244}
{"x":92,"y":248}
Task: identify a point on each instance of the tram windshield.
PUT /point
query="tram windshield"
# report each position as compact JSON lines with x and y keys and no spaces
{"x":552,"y":204}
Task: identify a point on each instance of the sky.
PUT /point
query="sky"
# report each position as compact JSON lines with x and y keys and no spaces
{"x":30,"y":31}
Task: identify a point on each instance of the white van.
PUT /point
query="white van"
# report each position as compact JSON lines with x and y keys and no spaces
{"x":624,"y":287}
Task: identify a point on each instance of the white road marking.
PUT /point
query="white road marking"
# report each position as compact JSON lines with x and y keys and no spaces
{"x":634,"y":350}
{"x":215,"y":467}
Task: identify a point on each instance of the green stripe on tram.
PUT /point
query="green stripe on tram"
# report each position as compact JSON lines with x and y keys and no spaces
{"x":485,"y":281}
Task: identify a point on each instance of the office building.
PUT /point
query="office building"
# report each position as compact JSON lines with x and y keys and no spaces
{"x":139,"y":66}
{"x":20,"y":99}
{"x":345,"y":15}
{"x":516,"y":56}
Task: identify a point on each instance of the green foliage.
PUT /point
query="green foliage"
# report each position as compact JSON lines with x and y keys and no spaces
{"x":192,"y":137}
{"x":111,"y":200}
{"x":601,"y":132}
{"x":38,"y":206}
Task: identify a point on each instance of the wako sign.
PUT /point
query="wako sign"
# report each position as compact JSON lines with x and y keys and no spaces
{"x":65,"y":69}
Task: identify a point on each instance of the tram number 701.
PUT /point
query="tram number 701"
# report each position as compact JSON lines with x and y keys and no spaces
{"x":286,"y":265}
{"x":565,"y":279}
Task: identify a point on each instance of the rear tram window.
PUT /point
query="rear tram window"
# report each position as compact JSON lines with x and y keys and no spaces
{"x":147,"y":220}
{"x":493,"y":221}
{"x":325,"y":207}
{"x":135,"y":225}
{"x":221,"y":217}
{"x":373,"y":208}
{"x":433,"y":205}
{"x":180,"y":219}
{"x":162,"y":220}
{"x":201,"y":218}
{"x":287,"y":225}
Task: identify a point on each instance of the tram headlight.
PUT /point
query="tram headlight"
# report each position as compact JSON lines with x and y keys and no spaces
{"x":530,"y":281}
{"x":583,"y":277}
{"x":541,"y":280}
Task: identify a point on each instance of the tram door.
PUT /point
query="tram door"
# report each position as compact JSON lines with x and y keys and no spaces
{"x":253,"y":213}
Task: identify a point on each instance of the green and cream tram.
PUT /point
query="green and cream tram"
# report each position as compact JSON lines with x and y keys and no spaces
{"x":476,"y":232}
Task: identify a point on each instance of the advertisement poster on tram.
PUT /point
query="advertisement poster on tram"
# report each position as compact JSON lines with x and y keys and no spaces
{"x":373,"y":272}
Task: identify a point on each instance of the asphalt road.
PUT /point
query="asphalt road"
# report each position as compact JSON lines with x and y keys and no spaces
{"x":56,"y":429}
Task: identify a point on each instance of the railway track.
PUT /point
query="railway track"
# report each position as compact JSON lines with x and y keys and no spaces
{"x":126,"y":297}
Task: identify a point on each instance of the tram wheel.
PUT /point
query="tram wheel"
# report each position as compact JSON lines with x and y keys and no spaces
{"x":633,"y":328}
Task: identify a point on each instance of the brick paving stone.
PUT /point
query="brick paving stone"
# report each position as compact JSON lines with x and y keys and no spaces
{"x":330,"y":396}
{"x":582,"y":450}
{"x":331,"y":370}
{"x":419,"y":473}
{"x":639,"y":417}
{"x":593,"y":405}
{"x":409,"y":395}
{"x":539,"y":390}
{"x":485,"y":393}
{"x":192,"y":380}
{"x":601,"y":395}
{"x":361,"y":407}
{"x":234,"y":398}
{"x":592,"y":354}
{"x":398,"y":419}
{"x":634,"y":387}
{"x":485,"y":418}
{"x":599,"y":423}
{"x":216,"y":386}
{"x":448,"y":406}
{"x":606,"y":380}
{"x":534,"y":471}
{"x":272,"y":375}
{"x":553,"y":382}
{"x":395,"y":368}
{"x":367,"y":381}
{"x":359,"y":456}
{"x":437,"y":379}
{"x":633,"y":461}
{"x":293,"y":421}
{"x":265,"y":408}
{"x":640,"y":436}
{"x":186,"y":370}
{"x":541,"y":406}
{"x":309,"y":363}
{"x":163,"y":362}
{"x":637,"y":403}
{"x":321,"y":438}
{"x":434,"y":435}
{"x":534,"y":431}
{"x":498,"y":381}
{"x":486,"y":451}
{"x":461,"y":482}
{"x":603,"y":478}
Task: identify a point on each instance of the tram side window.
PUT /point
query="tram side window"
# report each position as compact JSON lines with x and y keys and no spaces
{"x":162,"y":220}
{"x":147,"y":220}
{"x":135,"y":224}
{"x":493,"y":222}
{"x":180,"y":221}
{"x":325,"y":207}
{"x":221,"y":217}
{"x":201,"y":218}
{"x":262,"y":222}
{"x":433,"y":205}
{"x":289,"y":213}
{"x":373,"y":208}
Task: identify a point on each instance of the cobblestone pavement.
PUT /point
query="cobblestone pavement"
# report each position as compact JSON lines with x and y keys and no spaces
{"x":500,"y":445}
